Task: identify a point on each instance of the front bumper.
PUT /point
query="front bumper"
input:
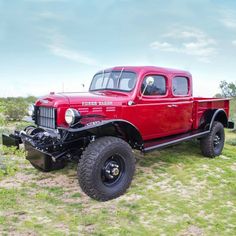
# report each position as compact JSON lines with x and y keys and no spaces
{"x":11,"y":140}
{"x":38,"y":158}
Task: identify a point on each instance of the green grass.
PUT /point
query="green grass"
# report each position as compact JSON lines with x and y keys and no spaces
{"x":174,"y":192}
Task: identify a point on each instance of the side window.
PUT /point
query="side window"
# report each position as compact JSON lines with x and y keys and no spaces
{"x":180,"y":86}
{"x":158,"y":87}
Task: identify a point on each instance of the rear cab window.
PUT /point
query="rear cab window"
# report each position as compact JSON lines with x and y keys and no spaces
{"x":180,"y":86}
{"x":158,"y":88}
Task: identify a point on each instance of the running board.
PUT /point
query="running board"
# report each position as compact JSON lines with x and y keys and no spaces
{"x":168,"y":141}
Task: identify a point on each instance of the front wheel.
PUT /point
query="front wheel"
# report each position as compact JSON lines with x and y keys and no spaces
{"x":213,"y":144}
{"x":106,"y":168}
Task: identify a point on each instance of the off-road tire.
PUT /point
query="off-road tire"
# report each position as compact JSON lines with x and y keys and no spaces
{"x":92,"y":164}
{"x":207,"y":143}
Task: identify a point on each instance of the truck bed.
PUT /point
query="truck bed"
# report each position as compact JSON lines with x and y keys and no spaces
{"x":200,"y":105}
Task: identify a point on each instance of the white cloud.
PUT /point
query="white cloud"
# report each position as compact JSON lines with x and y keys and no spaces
{"x":234,"y":42}
{"x":162,"y":46}
{"x":58,"y":47}
{"x":48,"y":15}
{"x":188,"y":41}
{"x":72,"y":55}
{"x":228,"y":18}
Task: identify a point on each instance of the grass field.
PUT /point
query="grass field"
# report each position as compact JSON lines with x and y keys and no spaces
{"x":174,"y":192}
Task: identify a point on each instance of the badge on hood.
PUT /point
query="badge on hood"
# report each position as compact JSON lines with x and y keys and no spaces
{"x":102,"y":103}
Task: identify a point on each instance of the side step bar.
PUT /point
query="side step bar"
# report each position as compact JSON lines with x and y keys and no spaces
{"x":168,"y":141}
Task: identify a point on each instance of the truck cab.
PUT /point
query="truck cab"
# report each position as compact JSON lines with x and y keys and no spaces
{"x":143,"y":108}
{"x":163,"y":103}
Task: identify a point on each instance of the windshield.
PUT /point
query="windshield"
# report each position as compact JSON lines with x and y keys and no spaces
{"x":114,"y":80}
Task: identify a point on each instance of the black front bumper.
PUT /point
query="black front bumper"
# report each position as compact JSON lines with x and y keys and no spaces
{"x":41,"y":160}
{"x":38,"y":158}
{"x":11,"y":140}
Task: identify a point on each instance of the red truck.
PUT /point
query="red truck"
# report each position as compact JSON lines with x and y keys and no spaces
{"x":143,"y":108}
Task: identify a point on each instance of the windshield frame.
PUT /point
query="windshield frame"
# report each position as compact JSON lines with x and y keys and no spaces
{"x":113,"y":89}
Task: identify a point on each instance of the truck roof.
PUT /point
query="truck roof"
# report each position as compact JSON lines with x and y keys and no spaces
{"x":144,"y":69}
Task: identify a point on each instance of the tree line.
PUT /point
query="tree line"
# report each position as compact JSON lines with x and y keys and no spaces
{"x":228,"y":89}
{"x":14,"y":108}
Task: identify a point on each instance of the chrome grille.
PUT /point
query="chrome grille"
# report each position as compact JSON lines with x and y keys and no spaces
{"x":46,"y":117}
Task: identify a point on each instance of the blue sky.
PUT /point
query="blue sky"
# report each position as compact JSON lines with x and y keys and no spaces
{"x":48,"y":45}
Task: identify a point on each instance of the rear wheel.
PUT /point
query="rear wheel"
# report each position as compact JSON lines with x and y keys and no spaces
{"x":213,"y":144}
{"x":106,"y":168}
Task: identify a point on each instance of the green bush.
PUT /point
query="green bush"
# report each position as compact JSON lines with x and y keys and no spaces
{"x":15,"y":111}
{"x":14,"y":108}
{"x":2,"y":121}
{"x":10,"y":160}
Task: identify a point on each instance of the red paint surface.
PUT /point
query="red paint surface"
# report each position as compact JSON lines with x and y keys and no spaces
{"x":154,"y":116}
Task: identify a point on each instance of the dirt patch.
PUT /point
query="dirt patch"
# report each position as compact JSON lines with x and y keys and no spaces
{"x":86,"y":229}
{"x":69,"y":184}
{"x":224,"y":157}
{"x":17,"y":180}
{"x":186,"y":191}
{"x":192,"y":231}
{"x":233,"y":167}
{"x":65,"y":228}
{"x":58,"y":181}
{"x":21,"y":234}
{"x":131,"y":198}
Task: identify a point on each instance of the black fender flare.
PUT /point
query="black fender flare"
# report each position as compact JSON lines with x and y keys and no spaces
{"x":210,"y":116}
{"x":116,"y":127}
{"x":219,"y":115}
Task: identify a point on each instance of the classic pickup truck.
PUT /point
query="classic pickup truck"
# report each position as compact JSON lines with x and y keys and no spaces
{"x":143,"y":108}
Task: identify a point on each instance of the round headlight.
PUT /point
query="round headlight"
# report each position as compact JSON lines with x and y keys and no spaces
{"x":31,"y":110}
{"x":72,"y":116}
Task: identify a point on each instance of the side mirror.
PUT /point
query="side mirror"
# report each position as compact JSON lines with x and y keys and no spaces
{"x":149,"y":82}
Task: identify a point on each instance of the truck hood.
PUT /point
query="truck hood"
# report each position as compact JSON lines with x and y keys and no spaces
{"x":95,"y":99}
{"x":83,"y":99}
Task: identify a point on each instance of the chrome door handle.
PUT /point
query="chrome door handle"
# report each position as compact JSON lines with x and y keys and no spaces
{"x":172,"y":105}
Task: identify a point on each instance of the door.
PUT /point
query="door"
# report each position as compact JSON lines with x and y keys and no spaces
{"x":152,"y":111}
{"x":181,"y":107}
{"x":159,"y":113}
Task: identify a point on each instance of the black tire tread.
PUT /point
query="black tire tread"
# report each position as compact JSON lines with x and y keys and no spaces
{"x":206,"y":143}
{"x":88,"y":162}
